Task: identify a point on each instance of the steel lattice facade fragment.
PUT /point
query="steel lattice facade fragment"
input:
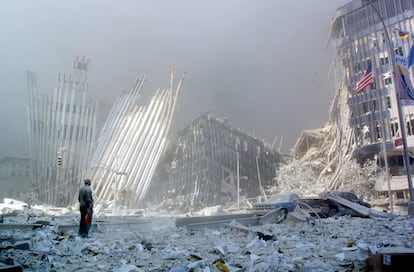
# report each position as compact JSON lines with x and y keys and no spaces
{"x":213,"y":161}
{"x":62,"y":130}
{"x":131,"y":143}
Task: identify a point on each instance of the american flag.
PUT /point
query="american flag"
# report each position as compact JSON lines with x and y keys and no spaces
{"x":366,"y":79}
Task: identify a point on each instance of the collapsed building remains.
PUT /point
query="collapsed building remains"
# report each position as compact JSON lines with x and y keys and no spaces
{"x":62,"y":129}
{"x":131,"y":143}
{"x":363,"y":128}
{"x":65,"y":148}
{"x":216,"y":164}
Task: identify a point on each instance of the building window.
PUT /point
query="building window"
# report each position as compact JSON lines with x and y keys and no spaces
{"x":374,"y":105}
{"x":378,"y":130}
{"x":364,"y":107}
{"x":384,"y":60}
{"x":388,"y":102}
{"x":400,"y":195}
{"x":384,"y":40}
{"x":394,"y":129}
{"x":410,"y":126}
{"x":399,"y":51}
{"x":387,"y":81}
{"x":373,"y":86}
{"x":357,"y":68}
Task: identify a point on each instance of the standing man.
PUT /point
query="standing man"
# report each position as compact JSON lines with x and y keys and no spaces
{"x":86,"y":208}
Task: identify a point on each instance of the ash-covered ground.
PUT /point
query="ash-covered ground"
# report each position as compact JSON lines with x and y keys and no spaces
{"x":152,"y":242}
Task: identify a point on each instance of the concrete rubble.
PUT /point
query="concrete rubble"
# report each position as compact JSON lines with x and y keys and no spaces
{"x":152,"y":242}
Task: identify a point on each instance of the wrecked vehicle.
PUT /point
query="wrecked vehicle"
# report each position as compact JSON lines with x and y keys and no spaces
{"x":345,"y":203}
{"x":327,"y":204}
{"x":348,"y":196}
{"x":315,"y":206}
{"x":334,"y":203}
{"x":286,"y":202}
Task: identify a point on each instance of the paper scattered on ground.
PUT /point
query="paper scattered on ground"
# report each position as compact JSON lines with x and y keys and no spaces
{"x":155,"y":244}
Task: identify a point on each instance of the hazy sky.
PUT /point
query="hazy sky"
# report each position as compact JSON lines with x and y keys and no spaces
{"x":251,"y":61}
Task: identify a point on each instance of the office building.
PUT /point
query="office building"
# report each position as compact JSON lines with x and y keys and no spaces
{"x":371,"y":36}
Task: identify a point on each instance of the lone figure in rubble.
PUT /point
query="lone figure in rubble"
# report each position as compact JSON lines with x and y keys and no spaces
{"x":86,"y":208}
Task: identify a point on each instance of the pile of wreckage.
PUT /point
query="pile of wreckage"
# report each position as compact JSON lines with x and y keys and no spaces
{"x":31,"y":240}
{"x":323,"y":160}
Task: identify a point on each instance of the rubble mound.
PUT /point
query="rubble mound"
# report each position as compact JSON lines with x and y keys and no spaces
{"x":322,"y":159}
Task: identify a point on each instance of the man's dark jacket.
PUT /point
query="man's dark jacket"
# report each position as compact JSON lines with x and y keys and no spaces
{"x":85,"y":197}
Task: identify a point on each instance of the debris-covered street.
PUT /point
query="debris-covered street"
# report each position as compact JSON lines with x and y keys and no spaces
{"x":150,"y":242}
{"x":235,"y":168}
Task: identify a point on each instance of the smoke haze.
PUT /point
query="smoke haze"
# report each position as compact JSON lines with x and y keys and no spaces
{"x":250,"y":61}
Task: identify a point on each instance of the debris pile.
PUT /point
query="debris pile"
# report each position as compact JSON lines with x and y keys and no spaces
{"x":322,"y":159}
{"x":215,"y":164}
{"x":156,"y":244}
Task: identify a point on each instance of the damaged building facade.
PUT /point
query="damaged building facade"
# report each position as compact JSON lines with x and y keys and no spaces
{"x":68,"y":144}
{"x":364,"y":33}
{"x":131,"y":143}
{"x":62,"y":130}
{"x":215,"y":164}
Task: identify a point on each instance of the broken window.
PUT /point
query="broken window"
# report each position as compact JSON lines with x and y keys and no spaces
{"x":388,"y":102}
{"x":387,"y":81}
{"x":378,"y":130}
{"x":394,"y":128}
{"x":357,"y":68}
{"x":384,"y":60}
{"x":399,"y":51}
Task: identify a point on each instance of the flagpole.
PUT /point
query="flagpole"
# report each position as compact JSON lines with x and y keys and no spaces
{"x":400,"y":114}
{"x":384,"y":154}
{"x":384,"y":146}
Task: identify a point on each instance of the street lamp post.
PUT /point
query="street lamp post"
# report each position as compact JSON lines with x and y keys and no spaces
{"x":71,"y":167}
{"x":115,"y":194}
{"x":262,"y":191}
{"x":400,"y":112}
{"x":238,"y":180}
{"x":237,"y":153}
